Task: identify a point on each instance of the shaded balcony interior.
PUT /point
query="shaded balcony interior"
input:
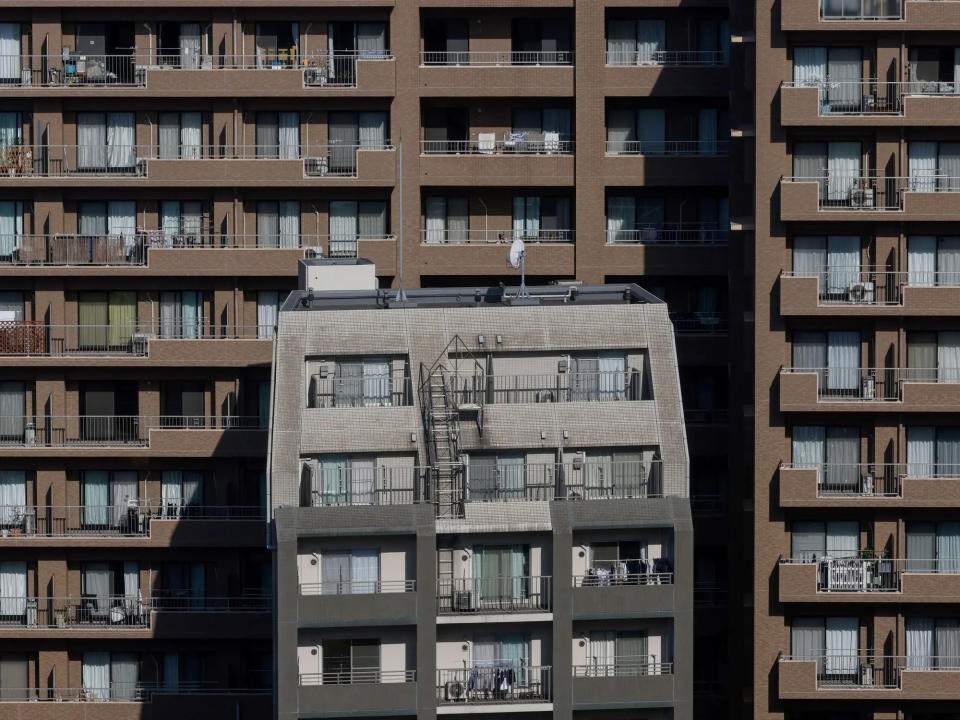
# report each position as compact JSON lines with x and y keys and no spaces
{"x":484,"y":38}
{"x":623,"y":648}
{"x":496,"y":216}
{"x":662,"y":36}
{"x":354,"y":656}
{"x":653,"y":217}
{"x":623,"y":558}
{"x":666,"y":128}
{"x":498,"y":127}
{"x":698,"y":308}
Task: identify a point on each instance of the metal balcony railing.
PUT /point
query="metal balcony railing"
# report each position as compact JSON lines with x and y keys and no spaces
{"x":547,"y":388}
{"x":624,"y":666}
{"x":108,"y":430}
{"x":856,"y":192}
{"x":858,"y":479}
{"x":357,"y":676}
{"x":861,"y":9}
{"x":504,"y":681}
{"x":706,"y":416}
{"x":358,"y":587}
{"x":857,"y":285}
{"x":123,"y":692}
{"x":446,"y":236}
{"x":496,"y":58}
{"x":510,"y":144}
{"x":129,"y":160}
{"x":130,"y":519}
{"x":700,"y":323}
{"x":671,"y":148}
{"x":668,"y":57}
{"x":672,"y":234}
{"x":348,"y":486}
{"x":390,"y":389}
{"x":81,"y":70}
{"x":858,"y":384}
{"x":871,"y":96}
{"x":626,"y":572}
{"x":507,"y":594}
{"x":860,"y":574}
{"x":843,"y":669}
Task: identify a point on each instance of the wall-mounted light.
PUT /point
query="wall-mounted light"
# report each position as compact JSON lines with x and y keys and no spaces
{"x":480,"y":339}
{"x":543,"y":434}
{"x":566,"y":435}
{"x":413,"y":437}
{"x":499,"y":339}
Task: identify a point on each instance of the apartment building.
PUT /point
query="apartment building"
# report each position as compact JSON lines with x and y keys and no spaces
{"x":165,"y":164}
{"x":480,"y":502}
{"x":856,"y":522}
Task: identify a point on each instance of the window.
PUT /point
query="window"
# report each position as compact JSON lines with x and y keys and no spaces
{"x":341,"y":480}
{"x":933,"y":260}
{"x":13,"y":498}
{"x":277,"y":44}
{"x":713,"y":41}
{"x":351,"y":220}
{"x":933,"y":356}
{"x":933,"y":643}
{"x":278,"y":135}
{"x":639,"y":132}
{"x":107,"y":320}
{"x":182,"y":223}
{"x":364,"y":38}
{"x":350,"y":572}
{"x":363,"y":382}
{"x":11,"y":123}
{"x":181,"y":493}
{"x":11,"y":306}
{"x":536,"y":41}
{"x":181,"y":135}
{"x":10,"y":51}
{"x":11,"y":227}
{"x":180,"y":45}
{"x":933,"y":547}
{"x":13,"y":589}
{"x":624,"y":562}
{"x":835,"y":165}
{"x":600,"y":377}
{"x":106,"y":141}
{"x":263,"y":404}
{"x":183,"y":669}
{"x":833,"y":642}
{"x":14,"y":677}
{"x":351,"y":661}
{"x":110,"y":676}
{"x":934,"y":166}
{"x":501,"y":575}
{"x":446,"y":41}
{"x":111,"y":500}
{"x":109,"y":411}
{"x":13,"y":411}
{"x":834,"y":259}
{"x":541,"y":130}
{"x":636,"y":42}
{"x":837,"y":70}
{"x":497,"y":477}
{"x":834,"y":356}
{"x":348,"y":131}
{"x":111,"y":592}
{"x":633,"y":219}
{"x":181,"y":314}
{"x":811,"y":541}
{"x":445,"y":129}
{"x":612,"y":474}
{"x":183,"y":585}
{"x":833,"y":451}
{"x":933,"y":69}
{"x":278,"y":223}
{"x":183,"y":404}
{"x":933,"y":452}
{"x":537,"y":217}
{"x":447,"y":219}
{"x":614,"y":653}
{"x":493,"y":653}
{"x":268,"y":310}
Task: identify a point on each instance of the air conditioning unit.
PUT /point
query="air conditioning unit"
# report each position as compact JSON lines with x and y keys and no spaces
{"x":312,"y":252}
{"x":454,"y":691}
{"x":862,"y":197}
{"x":866,"y":675}
{"x":861,"y":292}
{"x":316,"y":166}
{"x":868,"y":388}
{"x":138,"y":343}
{"x":866,"y":485}
{"x":463,"y":601}
{"x":141,"y":167}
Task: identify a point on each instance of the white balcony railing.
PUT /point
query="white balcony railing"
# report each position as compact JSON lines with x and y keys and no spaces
{"x":861,"y":9}
{"x":671,"y":234}
{"x":496,"y":58}
{"x":624,"y":666}
{"x":669,"y":148}
{"x":108,"y":430}
{"x":668,"y":57}
{"x":465,"y":236}
{"x":510,"y":144}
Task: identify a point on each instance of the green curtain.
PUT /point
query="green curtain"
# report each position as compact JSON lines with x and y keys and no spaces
{"x":92,"y":317}
{"x":334,"y":480}
{"x":122,"y":315}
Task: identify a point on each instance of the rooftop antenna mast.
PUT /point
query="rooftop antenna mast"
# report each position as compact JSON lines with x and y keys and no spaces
{"x":518,"y":255}
{"x":401,"y":295}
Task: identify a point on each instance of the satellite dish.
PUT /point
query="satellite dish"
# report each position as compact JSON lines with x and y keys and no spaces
{"x":516,"y":252}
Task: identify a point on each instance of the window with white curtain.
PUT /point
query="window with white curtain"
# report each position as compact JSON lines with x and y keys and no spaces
{"x":933,"y":452}
{"x":13,"y":497}
{"x":13,"y":588}
{"x":634,"y":218}
{"x":350,"y":572}
{"x":13,"y":410}
{"x":278,"y":223}
{"x":933,"y":356}
{"x":11,"y":227}
{"x":636,"y":131}
{"x":180,"y":135}
{"x":933,"y":547}
{"x":933,"y":643}
{"x":833,"y":451}
{"x":181,"y":492}
{"x":181,"y":314}
{"x":834,"y":259}
{"x":933,"y":260}
{"x":10,"y":51}
{"x":11,"y":125}
{"x":934,"y":166}
{"x":363,"y":382}
{"x":182,"y":223}
{"x":636,"y":42}
{"x":268,"y":308}
{"x":834,"y":355}
{"x":350,"y":220}
{"x":110,"y":676}
{"x":278,"y":135}
{"x":812,"y":540}
{"x":106,"y":141}
{"x":541,"y":217}
{"x":447,"y":219}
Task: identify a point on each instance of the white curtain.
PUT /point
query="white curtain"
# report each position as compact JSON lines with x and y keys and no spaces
{"x":343,"y":221}
{"x":526,"y":217}
{"x":843,"y":538}
{"x":920,"y":648}
{"x":371,"y":38}
{"x":602,"y":651}
{"x":948,"y":261}
{"x":10,"y":51}
{"x":13,"y":494}
{"x":651,"y":41}
{"x":169,"y":221}
{"x":921,"y":260}
{"x":191,"y":135}
{"x":373,"y":129}
{"x":843,"y":360}
{"x":843,"y":262}
{"x":365,"y":571}
{"x":96,"y":675}
{"x":121,"y":140}
{"x":621,"y":42}
{"x":123,"y":491}
{"x":842,"y":645}
{"x":810,"y":258}
{"x":376,"y":381}
{"x":131,"y":585}
{"x":611,"y":368}
{"x":948,"y":357}
{"x":289,"y":222}
{"x":809,"y":447}
{"x":843,"y":169}
{"x":948,"y":547}
{"x":170,"y":315}
{"x":948,"y":166}
{"x":171,"y":483}
{"x":621,"y":218}
{"x":96,"y":497}
{"x":268,"y":306}
{"x":190,"y":45}
{"x":11,"y":226}
{"x":169,"y":135}
{"x":921,"y":453}
{"x":13,"y":587}
{"x":289,"y":135}
{"x":122,"y":220}
{"x":91,"y":141}
{"x":922,"y":165}
{"x":436,"y":212}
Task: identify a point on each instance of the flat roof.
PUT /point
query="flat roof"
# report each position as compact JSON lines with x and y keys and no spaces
{"x":463,"y":297}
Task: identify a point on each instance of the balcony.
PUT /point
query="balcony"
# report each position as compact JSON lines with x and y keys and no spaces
{"x":623,"y":682}
{"x":143,"y":517}
{"x":610,"y":386}
{"x":868,"y":103}
{"x":508,"y":160}
{"x":668,"y":162}
{"x":497,"y":683}
{"x":246,"y":165}
{"x":870,"y":580}
{"x":867,"y":198}
{"x":348,"y":602}
{"x":689,"y":233}
{"x":493,"y":595}
{"x":687,"y":73}
{"x":391,"y":389}
{"x":616,"y":592}
{"x":211,"y":75}
{"x":875,"y":389}
{"x":180,"y":700}
{"x":837,"y":676}
{"x":487,"y":73}
{"x":699,"y":323}
{"x":869,"y":485}
{"x":369,"y":691}
{"x":868,"y":291}
{"x":847,"y":15}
